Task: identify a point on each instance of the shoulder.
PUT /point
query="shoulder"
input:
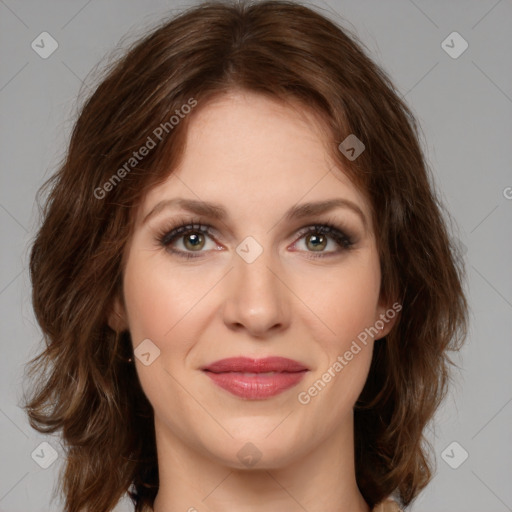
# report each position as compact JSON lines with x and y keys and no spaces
{"x":388,"y":505}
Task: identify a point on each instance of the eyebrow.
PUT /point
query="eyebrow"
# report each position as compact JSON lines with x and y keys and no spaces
{"x":218,"y":212}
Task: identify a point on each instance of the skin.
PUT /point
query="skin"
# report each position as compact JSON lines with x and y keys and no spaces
{"x":257,"y":158}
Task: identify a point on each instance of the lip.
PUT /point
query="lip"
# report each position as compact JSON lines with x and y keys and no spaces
{"x":248,"y":378}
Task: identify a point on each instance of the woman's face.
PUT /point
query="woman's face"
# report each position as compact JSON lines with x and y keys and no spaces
{"x":258,"y":285}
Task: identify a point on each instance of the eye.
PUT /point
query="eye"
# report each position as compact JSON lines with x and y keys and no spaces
{"x":316,"y":239}
{"x":193,"y":236}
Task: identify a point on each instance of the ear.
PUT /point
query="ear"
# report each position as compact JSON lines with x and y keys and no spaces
{"x":116,"y":316}
{"x":386,"y":317}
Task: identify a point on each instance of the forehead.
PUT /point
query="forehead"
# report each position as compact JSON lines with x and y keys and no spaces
{"x":252,"y":153}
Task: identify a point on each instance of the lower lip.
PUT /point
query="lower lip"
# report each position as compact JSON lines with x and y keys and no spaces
{"x":258,"y":386}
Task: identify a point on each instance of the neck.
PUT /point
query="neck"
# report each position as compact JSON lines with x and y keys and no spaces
{"x":319,"y":480}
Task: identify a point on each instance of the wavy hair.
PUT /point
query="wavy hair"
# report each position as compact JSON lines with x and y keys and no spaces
{"x":83,"y":386}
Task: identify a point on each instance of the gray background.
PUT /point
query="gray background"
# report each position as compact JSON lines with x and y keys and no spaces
{"x":464,"y":106}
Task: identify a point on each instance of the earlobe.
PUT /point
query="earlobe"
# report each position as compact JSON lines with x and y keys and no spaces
{"x":116,"y":317}
{"x":386,"y":318}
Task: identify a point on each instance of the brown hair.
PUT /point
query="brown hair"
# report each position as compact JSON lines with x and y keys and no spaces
{"x":288,"y":52}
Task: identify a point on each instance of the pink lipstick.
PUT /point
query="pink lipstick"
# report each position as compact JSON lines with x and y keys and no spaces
{"x":256,"y":379}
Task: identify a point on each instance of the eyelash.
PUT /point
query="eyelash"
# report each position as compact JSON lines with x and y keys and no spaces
{"x":169,"y":234}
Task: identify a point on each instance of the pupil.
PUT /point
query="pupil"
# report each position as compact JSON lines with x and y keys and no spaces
{"x":194,"y":240}
{"x":317,"y":238}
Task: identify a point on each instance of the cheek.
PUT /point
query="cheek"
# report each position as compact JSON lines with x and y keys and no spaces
{"x":159,"y":297}
{"x":345,"y":307}
{"x":160,"y":306}
{"x":345,"y":300}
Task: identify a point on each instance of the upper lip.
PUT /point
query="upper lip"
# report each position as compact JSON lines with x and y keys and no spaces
{"x":246,"y":364}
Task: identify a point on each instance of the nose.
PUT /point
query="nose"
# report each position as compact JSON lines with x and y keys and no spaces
{"x":257,"y":297}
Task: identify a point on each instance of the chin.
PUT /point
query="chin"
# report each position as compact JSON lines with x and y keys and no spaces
{"x":258,"y":451}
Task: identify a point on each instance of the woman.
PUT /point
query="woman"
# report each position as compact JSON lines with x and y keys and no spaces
{"x":244,"y":276}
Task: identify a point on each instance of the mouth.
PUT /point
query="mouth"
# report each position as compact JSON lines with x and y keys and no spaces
{"x":256,"y":379}
{"x":248,"y":365}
